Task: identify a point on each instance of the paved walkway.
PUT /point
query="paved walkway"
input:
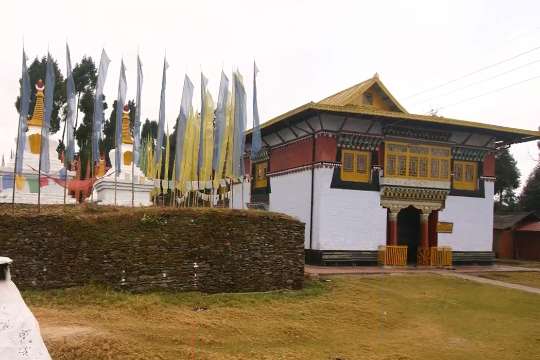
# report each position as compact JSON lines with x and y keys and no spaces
{"x":461,"y":272}
{"x":491,"y":282}
{"x":371,"y":270}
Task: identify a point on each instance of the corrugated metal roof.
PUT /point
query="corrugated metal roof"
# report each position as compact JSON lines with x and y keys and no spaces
{"x":338,"y":103}
{"x":533,"y":226}
{"x":341,"y":98}
{"x":350,"y":95}
{"x":506,"y":221}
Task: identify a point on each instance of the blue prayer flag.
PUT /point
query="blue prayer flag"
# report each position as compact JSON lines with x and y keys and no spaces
{"x":50,"y":81}
{"x":97,"y":125}
{"x":256,"y":141}
{"x":185,"y":109}
{"x":137,"y":122}
{"x":240,"y":119}
{"x":161,"y":122}
{"x":71,"y":112}
{"x":23,"y":115}
{"x":221,"y":110}
{"x":120,"y":101}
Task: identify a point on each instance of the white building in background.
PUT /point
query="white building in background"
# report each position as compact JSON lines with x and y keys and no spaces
{"x":26,"y":185}
{"x":370,"y":179}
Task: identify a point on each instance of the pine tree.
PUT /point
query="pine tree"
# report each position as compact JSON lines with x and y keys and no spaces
{"x":507,"y":181}
{"x":37,"y":71}
{"x":530,"y":196}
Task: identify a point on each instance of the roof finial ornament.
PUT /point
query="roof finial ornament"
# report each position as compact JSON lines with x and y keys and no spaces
{"x":376,"y":75}
{"x":39,"y":85}
{"x":126,"y":134}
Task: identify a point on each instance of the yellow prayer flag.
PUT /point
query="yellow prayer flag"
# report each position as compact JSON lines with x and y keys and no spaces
{"x":208,"y":139}
{"x":19,"y":182}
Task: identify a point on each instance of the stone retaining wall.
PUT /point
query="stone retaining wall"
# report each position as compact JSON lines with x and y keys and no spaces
{"x":151,"y":249}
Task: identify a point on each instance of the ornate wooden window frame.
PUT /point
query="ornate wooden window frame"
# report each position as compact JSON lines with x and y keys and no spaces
{"x":355,"y":165}
{"x":417,"y":161}
{"x":261,"y":177}
{"x":465,"y":175}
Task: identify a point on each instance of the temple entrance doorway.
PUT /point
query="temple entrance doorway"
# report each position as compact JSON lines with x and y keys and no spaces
{"x":409,"y":231}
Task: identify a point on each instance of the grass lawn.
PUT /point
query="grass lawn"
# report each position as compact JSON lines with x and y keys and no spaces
{"x":350,"y":317}
{"x":531,"y":278}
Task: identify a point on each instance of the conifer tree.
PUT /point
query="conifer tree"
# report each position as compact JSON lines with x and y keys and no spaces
{"x":530,"y":196}
{"x":507,"y":181}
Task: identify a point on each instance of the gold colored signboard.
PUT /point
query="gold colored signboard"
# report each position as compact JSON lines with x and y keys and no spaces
{"x":445,"y":227}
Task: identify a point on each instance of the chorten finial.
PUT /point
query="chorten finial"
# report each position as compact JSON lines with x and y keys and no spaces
{"x":126,"y":135}
{"x":37,"y":115}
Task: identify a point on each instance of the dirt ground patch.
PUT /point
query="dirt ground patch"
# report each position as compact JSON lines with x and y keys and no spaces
{"x":67,"y":332}
{"x":344,"y":317}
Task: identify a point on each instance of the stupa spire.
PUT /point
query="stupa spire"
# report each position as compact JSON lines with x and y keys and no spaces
{"x":126,"y":135}
{"x":37,"y":115}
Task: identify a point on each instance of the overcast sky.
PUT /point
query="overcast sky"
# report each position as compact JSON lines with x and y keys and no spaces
{"x":305,"y":50}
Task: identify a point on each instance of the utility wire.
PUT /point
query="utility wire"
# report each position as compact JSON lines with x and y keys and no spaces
{"x":489,"y":92}
{"x":474,"y":72}
{"x":478,"y":82}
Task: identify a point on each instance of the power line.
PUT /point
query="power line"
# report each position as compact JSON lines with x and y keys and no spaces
{"x":474,"y":72}
{"x":489,"y":92}
{"x":523,"y":34}
{"x":478,"y":82}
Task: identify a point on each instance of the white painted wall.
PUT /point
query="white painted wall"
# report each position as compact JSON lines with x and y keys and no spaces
{"x":291,"y":195}
{"x":104,"y":193}
{"x":346,"y":219}
{"x":473,"y":222}
{"x":238,"y":201}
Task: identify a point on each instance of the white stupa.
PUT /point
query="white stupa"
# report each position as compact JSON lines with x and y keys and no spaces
{"x":26,"y":184}
{"x":104,"y":187}
{"x":20,"y":336}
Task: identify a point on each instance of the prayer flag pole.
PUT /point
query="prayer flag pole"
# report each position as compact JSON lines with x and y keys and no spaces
{"x":120,"y":101}
{"x":182,"y":129}
{"x":39,"y":173}
{"x":136,"y":149}
{"x":115,"y":185}
{"x":97,"y":119}
{"x":65,"y":178}
{"x":44,"y":162}
{"x":23,"y":115}
{"x":132,"y":176}
{"x":69,"y":145}
{"x":157,"y":162}
{"x":15,"y":168}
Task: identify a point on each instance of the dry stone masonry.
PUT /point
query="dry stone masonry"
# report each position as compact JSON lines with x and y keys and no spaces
{"x":209,"y":250}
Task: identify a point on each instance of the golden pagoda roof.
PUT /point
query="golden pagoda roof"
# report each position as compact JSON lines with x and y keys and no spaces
{"x":345,"y":102}
{"x":353,"y":95}
{"x":39,"y":107}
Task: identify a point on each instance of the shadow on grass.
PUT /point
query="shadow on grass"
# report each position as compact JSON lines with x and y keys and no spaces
{"x":98,"y":295}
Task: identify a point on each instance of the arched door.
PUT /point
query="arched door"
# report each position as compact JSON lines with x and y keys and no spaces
{"x":409,"y":231}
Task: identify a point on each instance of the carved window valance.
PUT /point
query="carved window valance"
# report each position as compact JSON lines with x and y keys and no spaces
{"x":359,"y":142}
